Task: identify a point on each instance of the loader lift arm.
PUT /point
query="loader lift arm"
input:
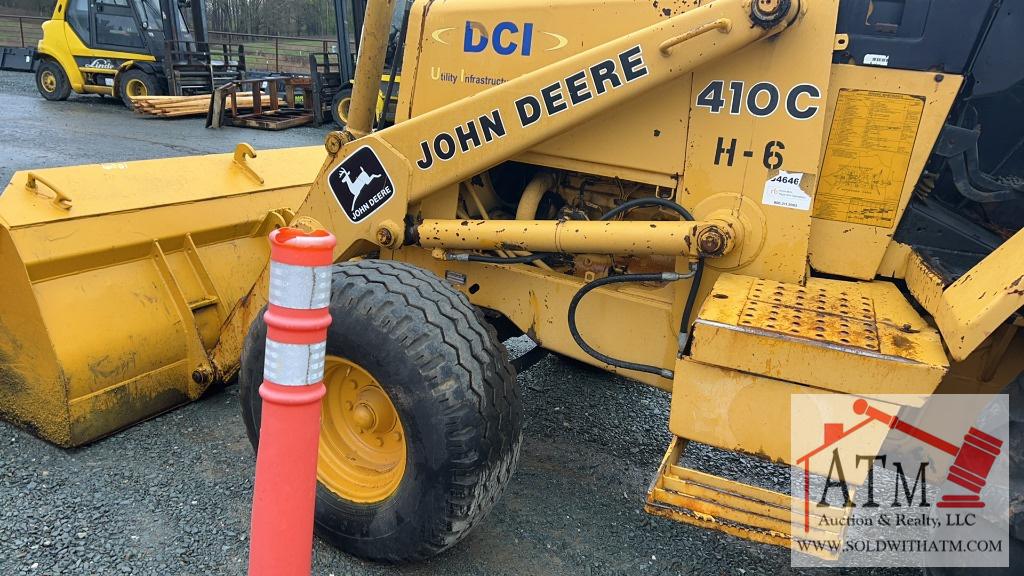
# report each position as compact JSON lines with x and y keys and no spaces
{"x":427,"y":153}
{"x":438,"y":149}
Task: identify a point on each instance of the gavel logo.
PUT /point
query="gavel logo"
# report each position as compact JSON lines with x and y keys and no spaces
{"x":972,"y":460}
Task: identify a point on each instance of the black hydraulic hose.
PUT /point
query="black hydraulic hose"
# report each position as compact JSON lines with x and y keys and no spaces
{"x":498,"y":259}
{"x":586,"y":288}
{"x":660,"y":202}
{"x":691,"y":298}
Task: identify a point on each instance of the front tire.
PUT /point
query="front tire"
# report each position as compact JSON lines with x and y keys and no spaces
{"x":135,"y":83}
{"x":403,"y":338}
{"x":52,"y":82}
{"x":340,"y":105}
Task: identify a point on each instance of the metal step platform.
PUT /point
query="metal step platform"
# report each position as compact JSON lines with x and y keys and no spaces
{"x":854,"y":337}
{"x":693,"y":497}
{"x":756,"y":344}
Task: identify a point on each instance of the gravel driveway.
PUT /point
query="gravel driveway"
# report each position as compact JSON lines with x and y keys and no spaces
{"x":172,"y":495}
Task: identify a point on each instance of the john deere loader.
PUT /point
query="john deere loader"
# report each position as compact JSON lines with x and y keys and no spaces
{"x":734,"y":201}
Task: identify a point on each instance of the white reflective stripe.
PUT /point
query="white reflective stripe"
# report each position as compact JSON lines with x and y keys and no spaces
{"x":294,"y":364}
{"x":300,"y":287}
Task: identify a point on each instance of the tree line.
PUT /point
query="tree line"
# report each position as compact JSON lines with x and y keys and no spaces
{"x":276,"y":17}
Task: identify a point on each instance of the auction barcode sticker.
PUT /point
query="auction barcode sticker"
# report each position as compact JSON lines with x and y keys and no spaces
{"x":783,"y":190}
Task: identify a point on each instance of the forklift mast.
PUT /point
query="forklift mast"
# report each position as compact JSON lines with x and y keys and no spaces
{"x":345,"y":11}
{"x":174,"y":27}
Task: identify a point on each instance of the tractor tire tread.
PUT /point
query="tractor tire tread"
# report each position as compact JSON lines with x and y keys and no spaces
{"x":406,"y":298}
{"x":467,"y":375}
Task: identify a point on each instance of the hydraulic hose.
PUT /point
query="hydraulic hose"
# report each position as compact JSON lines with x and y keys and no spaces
{"x":691,"y":298}
{"x":660,"y":202}
{"x":498,"y":259}
{"x":684,"y":329}
{"x":583,"y":291}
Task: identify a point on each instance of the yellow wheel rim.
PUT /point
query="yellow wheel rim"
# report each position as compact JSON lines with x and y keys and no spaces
{"x":48,"y":80}
{"x":362,"y":444}
{"x":343,"y":106}
{"x":135,"y":88}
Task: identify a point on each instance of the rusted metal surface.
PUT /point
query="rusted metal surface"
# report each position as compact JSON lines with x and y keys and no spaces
{"x":619,"y":237}
{"x":854,"y":337}
{"x":827,"y":314}
{"x":693,"y":497}
{"x":278,"y":115}
{"x":109,"y":307}
{"x":970,"y":309}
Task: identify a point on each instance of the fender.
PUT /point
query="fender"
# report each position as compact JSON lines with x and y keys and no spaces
{"x":54,"y":45}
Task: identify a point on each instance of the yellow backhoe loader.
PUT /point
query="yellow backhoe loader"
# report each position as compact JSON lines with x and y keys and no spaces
{"x":734,"y":201}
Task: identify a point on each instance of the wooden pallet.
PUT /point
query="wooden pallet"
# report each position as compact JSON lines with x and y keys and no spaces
{"x":269,"y":111}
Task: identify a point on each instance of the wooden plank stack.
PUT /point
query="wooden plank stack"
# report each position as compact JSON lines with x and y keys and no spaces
{"x":181,"y":106}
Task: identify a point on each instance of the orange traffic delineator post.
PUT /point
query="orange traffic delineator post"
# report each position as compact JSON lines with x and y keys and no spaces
{"x":297,"y":318}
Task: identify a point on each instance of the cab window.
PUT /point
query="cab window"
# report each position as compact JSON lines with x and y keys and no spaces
{"x":78,"y":17}
{"x":115,"y":25}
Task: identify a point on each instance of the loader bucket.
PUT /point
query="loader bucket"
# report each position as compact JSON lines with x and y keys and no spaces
{"x":115,"y":280}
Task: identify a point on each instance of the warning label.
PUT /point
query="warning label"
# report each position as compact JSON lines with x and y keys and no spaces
{"x":867,"y":156}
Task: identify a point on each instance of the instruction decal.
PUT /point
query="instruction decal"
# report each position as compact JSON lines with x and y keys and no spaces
{"x":864,"y":171}
{"x":361,"y":184}
{"x":783,"y":190}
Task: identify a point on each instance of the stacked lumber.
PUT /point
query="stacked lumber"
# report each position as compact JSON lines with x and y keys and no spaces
{"x":179,"y":106}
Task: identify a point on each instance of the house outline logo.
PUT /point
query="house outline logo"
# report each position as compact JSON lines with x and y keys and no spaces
{"x":366,"y":192}
{"x":972,"y":462}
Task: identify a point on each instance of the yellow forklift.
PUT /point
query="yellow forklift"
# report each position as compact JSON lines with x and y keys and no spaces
{"x":131,"y":48}
{"x":332,"y":73}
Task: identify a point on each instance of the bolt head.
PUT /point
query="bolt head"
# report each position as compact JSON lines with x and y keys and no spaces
{"x":333,"y":143}
{"x":711,"y":242}
{"x":385,"y":237}
{"x":768,"y":13}
{"x":363,"y":417}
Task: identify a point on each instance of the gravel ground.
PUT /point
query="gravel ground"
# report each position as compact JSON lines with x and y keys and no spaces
{"x":172,"y":495}
{"x":89,"y":129}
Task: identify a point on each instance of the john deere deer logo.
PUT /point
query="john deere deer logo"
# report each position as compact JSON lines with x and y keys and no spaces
{"x":356,"y":187}
{"x":361,"y":184}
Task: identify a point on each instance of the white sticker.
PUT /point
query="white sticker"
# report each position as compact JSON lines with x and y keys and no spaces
{"x":108,"y":81}
{"x":783,"y":190}
{"x":876,"y":59}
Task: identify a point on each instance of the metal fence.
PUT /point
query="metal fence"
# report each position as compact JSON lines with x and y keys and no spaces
{"x":287,"y":54}
{"x":263,"y":53}
{"x":20,"y":31}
